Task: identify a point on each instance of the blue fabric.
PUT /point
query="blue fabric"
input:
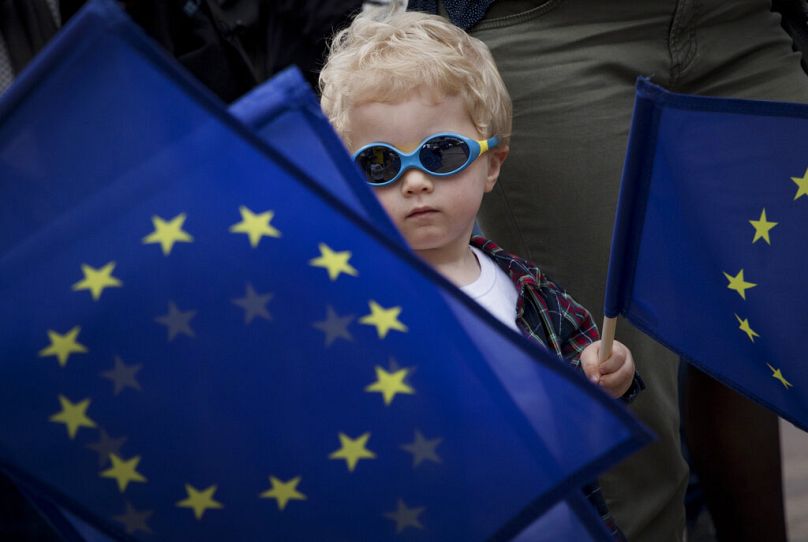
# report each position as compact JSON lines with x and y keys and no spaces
{"x":571,"y":519}
{"x":286,"y":114}
{"x":699,"y":173}
{"x":285,"y":105}
{"x":102,"y":136}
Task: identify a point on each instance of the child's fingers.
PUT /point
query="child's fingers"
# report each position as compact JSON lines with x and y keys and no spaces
{"x":589,"y":362}
{"x":612,"y":364}
{"x":618,"y":382}
{"x":591,"y":369}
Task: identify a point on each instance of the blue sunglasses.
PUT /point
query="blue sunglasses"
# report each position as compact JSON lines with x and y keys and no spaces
{"x":439,"y":155}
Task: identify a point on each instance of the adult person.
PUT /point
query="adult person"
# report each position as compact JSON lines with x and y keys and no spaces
{"x":232,"y":46}
{"x":570,"y":66}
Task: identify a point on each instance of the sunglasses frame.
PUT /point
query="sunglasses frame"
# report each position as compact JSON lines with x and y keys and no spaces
{"x":413,"y":161}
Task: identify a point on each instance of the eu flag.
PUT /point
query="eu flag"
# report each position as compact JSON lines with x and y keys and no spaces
{"x":199,"y":342}
{"x":286,"y":105}
{"x":285,"y":113}
{"x":709,"y":249}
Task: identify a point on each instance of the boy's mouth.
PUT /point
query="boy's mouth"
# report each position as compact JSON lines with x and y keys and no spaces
{"x":420,"y":211}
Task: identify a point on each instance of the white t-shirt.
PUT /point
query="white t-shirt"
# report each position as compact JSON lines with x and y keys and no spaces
{"x":494,"y":290}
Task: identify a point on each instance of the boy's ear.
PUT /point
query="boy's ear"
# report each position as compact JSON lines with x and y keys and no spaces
{"x":496,"y":157}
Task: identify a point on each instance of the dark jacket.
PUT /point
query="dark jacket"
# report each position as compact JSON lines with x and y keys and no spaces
{"x":233,"y":45}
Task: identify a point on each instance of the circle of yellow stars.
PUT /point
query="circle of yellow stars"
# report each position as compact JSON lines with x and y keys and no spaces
{"x":125,"y":471}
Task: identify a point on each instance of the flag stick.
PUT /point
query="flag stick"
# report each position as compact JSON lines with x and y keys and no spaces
{"x":607,"y":337}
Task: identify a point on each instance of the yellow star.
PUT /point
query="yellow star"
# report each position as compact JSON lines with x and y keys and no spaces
{"x":389,"y":384}
{"x":746,"y":328}
{"x":123,"y":471}
{"x":255,"y":225}
{"x":778,"y":375}
{"x":334,"y":262}
{"x":383,"y":319}
{"x":762,"y":227}
{"x":802,"y":185}
{"x":96,"y":280}
{"x":283,"y":492}
{"x":199,"y":501}
{"x":738,"y":283}
{"x":73,"y":415}
{"x":62,"y":346}
{"x":352,"y":450}
{"x":168,"y":233}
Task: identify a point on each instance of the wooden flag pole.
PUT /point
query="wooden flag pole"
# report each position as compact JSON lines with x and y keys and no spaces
{"x":607,"y":337}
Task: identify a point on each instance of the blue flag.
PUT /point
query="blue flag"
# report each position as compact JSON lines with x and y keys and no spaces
{"x":573,"y":518}
{"x":200,"y":342}
{"x":709,"y":250}
{"x":286,"y":105}
{"x":285,"y":113}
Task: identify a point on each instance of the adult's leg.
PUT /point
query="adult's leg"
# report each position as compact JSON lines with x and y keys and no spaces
{"x":570,"y":67}
{"x":735,"y":450}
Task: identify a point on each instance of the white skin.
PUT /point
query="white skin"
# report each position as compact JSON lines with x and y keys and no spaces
{"x":436,"y":214}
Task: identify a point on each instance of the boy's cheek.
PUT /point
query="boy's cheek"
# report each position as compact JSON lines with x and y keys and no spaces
{"x":386,"y":199}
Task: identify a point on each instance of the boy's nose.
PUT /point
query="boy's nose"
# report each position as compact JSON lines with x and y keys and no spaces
{"x":415,"y":181}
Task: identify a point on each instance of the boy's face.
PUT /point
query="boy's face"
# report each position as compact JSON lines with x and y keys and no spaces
{"x":434,"y":214}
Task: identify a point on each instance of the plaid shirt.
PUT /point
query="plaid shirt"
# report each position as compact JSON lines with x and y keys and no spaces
{"x":544,"y":312}
{"x":549,"y":315}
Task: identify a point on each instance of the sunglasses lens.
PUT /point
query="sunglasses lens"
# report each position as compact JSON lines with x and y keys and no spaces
{"x":379,"y":164}
{"x":444,"y":154}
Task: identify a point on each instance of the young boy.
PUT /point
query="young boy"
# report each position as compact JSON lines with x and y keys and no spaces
{"x":423,"y":109}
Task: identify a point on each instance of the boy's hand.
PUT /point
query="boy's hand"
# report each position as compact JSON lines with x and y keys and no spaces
{"x":615,"y":374}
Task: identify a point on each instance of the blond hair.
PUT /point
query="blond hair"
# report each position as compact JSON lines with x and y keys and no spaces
{"x":387,"y":60}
